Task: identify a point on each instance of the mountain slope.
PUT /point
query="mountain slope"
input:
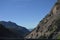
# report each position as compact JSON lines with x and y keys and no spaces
{"x":19,"y":30}
{"x":49,"y":27}
{"x":6,"y":33}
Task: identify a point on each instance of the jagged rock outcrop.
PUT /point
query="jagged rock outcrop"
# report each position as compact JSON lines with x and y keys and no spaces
{"x":49,"y":27}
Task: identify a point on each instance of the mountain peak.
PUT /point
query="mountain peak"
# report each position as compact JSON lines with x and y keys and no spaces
{"x":14,"y":27}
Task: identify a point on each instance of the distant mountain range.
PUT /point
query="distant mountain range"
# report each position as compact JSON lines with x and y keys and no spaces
{"x":14,"y":28}
{"x":6,"y":33}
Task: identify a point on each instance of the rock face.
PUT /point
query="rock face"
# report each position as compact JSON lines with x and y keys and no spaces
{"x":49,"y":27}
{"x":19,"y":30}
{"x":58,"y":0}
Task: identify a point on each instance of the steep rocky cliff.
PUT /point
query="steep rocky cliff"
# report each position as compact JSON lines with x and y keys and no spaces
{"x":49,"y":27}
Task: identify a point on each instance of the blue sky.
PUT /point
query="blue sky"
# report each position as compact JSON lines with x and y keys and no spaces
{"x":26,"y":13}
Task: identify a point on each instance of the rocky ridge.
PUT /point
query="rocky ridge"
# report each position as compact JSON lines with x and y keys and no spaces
{"x":48,"y":27}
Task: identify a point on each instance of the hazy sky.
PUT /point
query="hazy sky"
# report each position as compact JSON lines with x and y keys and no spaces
{"x":26,"y":13}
